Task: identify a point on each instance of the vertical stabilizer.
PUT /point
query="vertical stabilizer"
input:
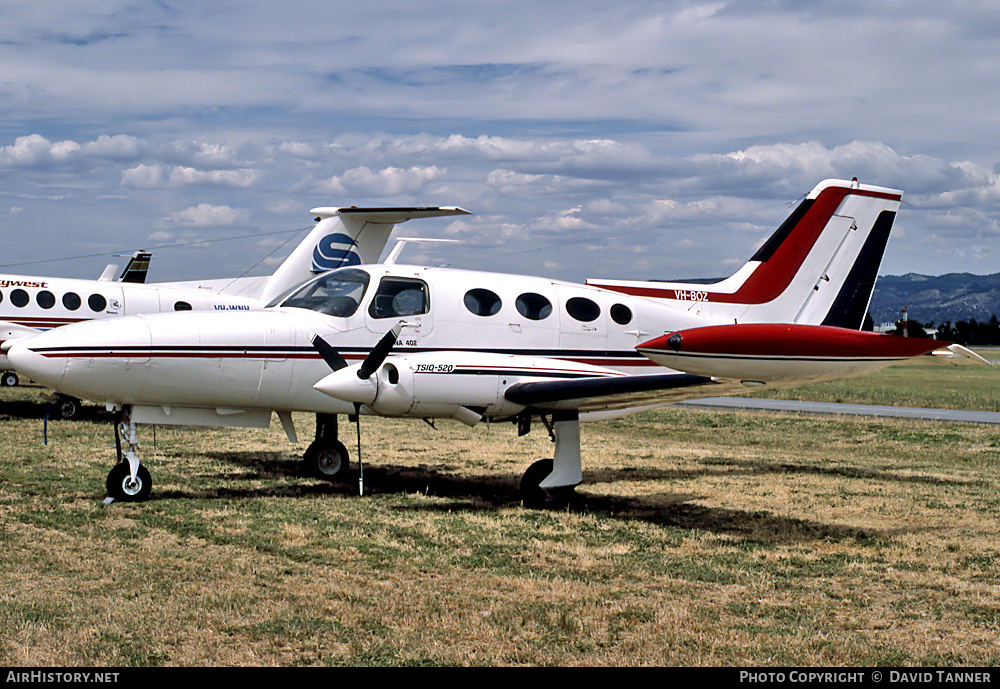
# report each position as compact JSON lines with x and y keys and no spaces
{"x":136,"y":269}
{"x":343,"y":237}
{"x":818,"y":268}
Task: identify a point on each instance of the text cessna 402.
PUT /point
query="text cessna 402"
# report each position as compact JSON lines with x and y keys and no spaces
{"x":426,"y":343}
{"x":342,"y":237}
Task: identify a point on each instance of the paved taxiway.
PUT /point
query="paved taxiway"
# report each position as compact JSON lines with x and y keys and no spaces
{"x":847,"y":409}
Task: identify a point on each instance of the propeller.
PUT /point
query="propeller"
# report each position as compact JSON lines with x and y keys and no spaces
{"x":354,"y":383}
{"x":330,"y":355}
{"x":371,"y":363}
{"x":360,"y":390}
{"x":379,"y":352}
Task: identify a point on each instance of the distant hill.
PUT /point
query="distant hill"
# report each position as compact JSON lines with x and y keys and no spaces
{"x":935,"y":299}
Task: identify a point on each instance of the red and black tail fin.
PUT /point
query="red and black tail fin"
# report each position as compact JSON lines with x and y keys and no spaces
{"x":818,"y":268}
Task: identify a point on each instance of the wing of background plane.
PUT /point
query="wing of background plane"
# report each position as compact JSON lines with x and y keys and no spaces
{"x":13,"y":331}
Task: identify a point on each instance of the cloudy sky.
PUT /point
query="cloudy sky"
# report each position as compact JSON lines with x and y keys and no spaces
{"x":590,"y":139}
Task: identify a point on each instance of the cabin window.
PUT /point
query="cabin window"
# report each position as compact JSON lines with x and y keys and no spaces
{"x":399,"y":297}
{"x":45,"y":299}
{"x":71,"y":300}
{"x":337,"y":293}
{"x":621,"y":314}
{"x":97,"y":303}
{"x":482,"y":302}
{"x":181,"y":306}
{"x":19,"y":298}
{"x":583,"y":309}
{"x":533,"y":306}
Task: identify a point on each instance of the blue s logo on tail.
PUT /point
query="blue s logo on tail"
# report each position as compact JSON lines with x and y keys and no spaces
{"x":335,"y":251}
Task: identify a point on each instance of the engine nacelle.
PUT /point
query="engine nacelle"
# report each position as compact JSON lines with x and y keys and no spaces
{"x":451,"y":384}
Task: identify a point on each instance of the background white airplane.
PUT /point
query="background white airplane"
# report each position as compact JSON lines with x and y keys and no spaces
{"x":427,"y":343}
{"x":342,"y":236}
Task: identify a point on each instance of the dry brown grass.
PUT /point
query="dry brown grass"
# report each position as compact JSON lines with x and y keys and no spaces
{"x":698,"y":538}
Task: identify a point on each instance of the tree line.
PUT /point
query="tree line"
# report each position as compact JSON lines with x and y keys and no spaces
{"x":970,"y":332}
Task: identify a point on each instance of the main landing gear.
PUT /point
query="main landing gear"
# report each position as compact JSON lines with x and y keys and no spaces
{"x":549,"y":483}
{"x":128,"y":481}
{"x":326,"y":457}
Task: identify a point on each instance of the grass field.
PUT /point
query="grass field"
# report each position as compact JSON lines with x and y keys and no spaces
{"x":697,"y":538}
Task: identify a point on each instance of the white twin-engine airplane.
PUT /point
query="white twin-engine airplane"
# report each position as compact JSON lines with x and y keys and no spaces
{"x":410,"y":341}
{"x":341,"y":237}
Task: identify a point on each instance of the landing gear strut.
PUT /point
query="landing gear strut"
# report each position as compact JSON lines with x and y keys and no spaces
{"x":326,"y":457}
{"x":128,"y":481}
{"x":549,"y":483}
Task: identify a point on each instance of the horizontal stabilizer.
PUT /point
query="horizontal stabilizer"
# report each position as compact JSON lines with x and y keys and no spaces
{"x":783,"y":353}
{"x":388,"y":215}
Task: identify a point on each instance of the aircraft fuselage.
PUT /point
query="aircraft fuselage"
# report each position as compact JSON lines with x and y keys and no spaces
{"x":266,"y":359}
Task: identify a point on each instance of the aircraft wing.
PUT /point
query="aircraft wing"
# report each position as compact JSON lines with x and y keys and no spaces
{"x":9,"y":334}
{"x":618,"y":393}
{"x":729,"y":359}
{"x":12,"y":331}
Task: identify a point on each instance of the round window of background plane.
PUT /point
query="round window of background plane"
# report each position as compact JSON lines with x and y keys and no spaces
{"x":19,"y":298}
{"x":482,"y":302}
{"x":621,"y":314}
{"x":97,"y":303}
{"x":181,"y":306}
{"x":45,"y":299}
{"x":582,"y":309}
{"x":1,"y":297}
{"x":533,"y":306}
{"x":71,"y":300}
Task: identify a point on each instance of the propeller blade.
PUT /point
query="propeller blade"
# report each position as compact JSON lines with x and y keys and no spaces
{"x":330,"y":355}
{"x":379,"y":352}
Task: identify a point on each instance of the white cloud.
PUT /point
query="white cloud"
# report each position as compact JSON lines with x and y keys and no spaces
{"x":153,"y":176}
{"x":728,"y":110}
{"x":207,"y":215}
{"x":387,"y":182}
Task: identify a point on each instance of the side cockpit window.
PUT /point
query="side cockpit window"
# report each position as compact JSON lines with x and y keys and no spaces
{"x":400,"y":297}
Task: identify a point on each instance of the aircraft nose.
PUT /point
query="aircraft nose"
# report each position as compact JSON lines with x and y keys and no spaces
{"x":38,"y":358}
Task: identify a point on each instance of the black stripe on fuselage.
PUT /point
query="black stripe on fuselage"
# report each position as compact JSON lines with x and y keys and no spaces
{"x":209,"y":351}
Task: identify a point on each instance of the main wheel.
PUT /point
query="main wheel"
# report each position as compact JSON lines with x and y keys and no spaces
{"x":67,"y":407}
{"x":327,"y":459}
{"x":9,"y":379}
{"x":121,"y":486}
{"x":537,"y":498}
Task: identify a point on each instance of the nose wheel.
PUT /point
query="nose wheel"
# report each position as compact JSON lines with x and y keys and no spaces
{"x":123,"y":487}
{"x":128,"y":480}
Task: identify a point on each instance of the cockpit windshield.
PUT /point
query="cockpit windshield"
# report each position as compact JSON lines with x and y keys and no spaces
{"x":337,"y":293}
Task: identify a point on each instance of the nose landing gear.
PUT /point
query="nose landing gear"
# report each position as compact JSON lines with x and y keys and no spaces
{"x":128,"y":480}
